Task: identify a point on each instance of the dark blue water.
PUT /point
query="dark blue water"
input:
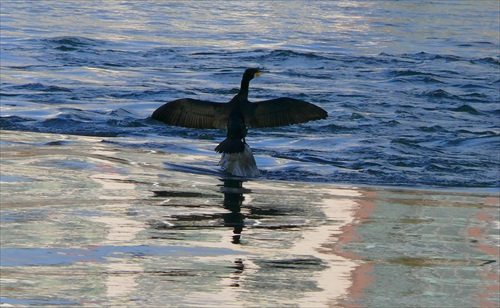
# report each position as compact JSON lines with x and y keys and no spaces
{"x":412,"y":91}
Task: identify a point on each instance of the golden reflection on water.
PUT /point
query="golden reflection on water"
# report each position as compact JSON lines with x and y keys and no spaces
{"x":336,"y":279}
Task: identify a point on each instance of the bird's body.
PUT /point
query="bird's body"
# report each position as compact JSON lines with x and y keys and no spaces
{"x":238,"y":114}
{"x":236,"y":133}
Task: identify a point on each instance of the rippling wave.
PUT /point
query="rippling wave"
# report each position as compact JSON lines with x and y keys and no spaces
{"x":410,"y":119}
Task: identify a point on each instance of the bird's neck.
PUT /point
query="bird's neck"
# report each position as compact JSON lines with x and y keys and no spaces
{"x":244,"y":88}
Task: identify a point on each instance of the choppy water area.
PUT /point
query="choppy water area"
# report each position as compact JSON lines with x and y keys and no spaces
{"x":412,"y":90}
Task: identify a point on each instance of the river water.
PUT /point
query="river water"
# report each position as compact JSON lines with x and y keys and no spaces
{"x":412,"y":89}
{"x":392,"y":201}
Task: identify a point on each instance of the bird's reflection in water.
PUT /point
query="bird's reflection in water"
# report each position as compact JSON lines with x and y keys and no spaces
{"x":233,"y":198}
{"x":233,"y":191}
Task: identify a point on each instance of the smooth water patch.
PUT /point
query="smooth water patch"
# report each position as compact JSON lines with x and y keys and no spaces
{"x":148,"y":229}
{"x":55,"y":256}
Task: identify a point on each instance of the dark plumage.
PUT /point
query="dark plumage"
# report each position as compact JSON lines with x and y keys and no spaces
{"x":238,"y":114}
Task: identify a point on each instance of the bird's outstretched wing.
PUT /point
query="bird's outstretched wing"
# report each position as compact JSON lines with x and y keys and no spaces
{"x":284,"y":111}
{"x":193,"y":113}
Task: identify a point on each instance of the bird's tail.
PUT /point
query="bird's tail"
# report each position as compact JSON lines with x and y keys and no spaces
{"x":230,"y":146}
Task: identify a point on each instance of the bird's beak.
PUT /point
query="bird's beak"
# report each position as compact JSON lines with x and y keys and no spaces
{"x":260,"y":73}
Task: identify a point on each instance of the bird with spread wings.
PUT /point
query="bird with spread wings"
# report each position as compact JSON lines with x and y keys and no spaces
{"x":238,"y":114}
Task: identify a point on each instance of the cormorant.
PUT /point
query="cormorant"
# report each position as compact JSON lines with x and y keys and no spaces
{"x":238,"y":114}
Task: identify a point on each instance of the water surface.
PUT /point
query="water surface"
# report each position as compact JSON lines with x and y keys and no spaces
{"x":101,"y":206}
{"x":411,"y":90}
{"x":92,"y":223}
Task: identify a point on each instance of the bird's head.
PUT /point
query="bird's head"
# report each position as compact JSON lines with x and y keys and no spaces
{"x":251,"y":73}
